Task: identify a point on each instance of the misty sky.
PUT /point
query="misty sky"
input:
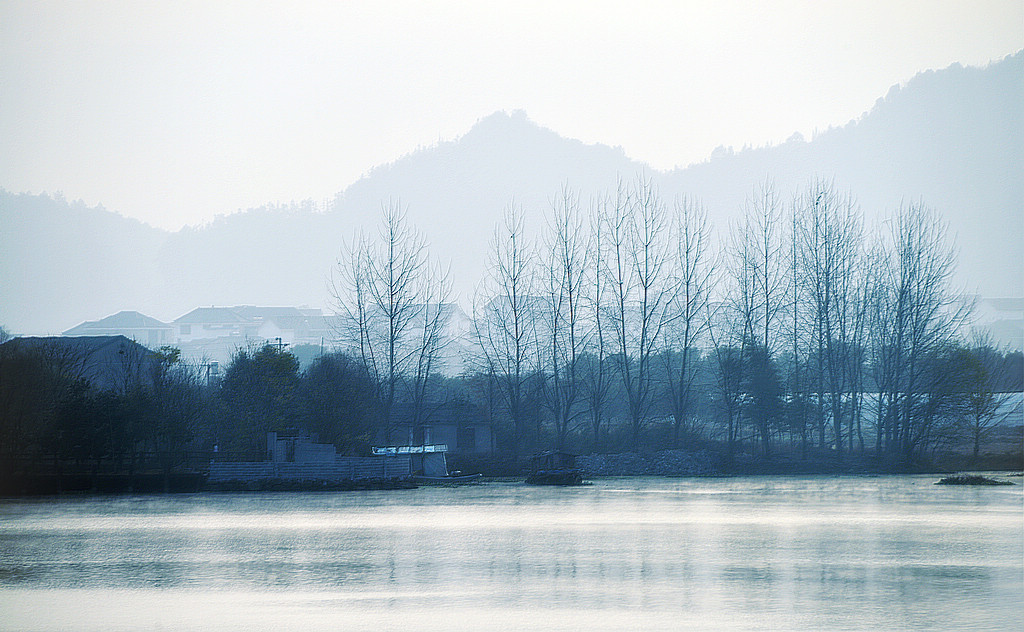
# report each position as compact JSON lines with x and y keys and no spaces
{"x":175,"y":112}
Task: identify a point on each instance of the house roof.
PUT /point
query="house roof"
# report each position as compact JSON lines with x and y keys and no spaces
{"x":1011,"y":304}
{"x":224,"y":315}
{"x":123,"y":320}
{"x":103,"y":360}
{"x":285,"y":317}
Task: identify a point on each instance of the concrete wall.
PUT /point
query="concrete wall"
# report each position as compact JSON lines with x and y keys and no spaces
{"x":342,"y":468}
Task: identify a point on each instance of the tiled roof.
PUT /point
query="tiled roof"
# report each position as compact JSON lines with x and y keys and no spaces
{"x":124,"y":320}
{"x":284,"y":317}
{"x":292,"y":318}
{"x":201,"y":315}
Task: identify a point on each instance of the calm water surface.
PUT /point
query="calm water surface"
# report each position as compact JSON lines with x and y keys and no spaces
{"x":801,"y":553}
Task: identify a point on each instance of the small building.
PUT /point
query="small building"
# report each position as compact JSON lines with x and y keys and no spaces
{"x":217,"y":333}
{"x":205,"y":323}
{"x":105,"y":362}
{"x":298,"y":447}
{"x":458,"y":425}
{"x":554,"y":467}
{"x":295,"y":456}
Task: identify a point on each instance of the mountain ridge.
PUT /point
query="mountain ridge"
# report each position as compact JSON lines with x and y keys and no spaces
{"x":950,"y":137}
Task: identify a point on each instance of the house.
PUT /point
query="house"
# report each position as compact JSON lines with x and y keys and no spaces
{"x":215,"y":333}
{"x":205,"y":323}
{"x":298,"y":447}
{"x":458,"y":425}
{"x":295,"y":456}
{"x":286,"y":325}
{"x":424,"y":460}
{"x":106,"y":362}
{"x":136,"y":326}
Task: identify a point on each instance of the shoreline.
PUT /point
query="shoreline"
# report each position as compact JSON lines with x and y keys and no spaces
{"x":311,"y":485}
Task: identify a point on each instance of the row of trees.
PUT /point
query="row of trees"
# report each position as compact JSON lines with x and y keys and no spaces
{"x":142,"y":410}
{"x":152,"y":410}
{"x":64,"y":402}
{"x":627,"y":324}
{"x":796,"y":325}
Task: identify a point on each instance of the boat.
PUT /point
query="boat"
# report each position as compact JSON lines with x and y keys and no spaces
{"x":554,"y":467}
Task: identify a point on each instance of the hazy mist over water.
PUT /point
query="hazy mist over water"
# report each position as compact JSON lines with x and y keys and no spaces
{"x":796,"y":553}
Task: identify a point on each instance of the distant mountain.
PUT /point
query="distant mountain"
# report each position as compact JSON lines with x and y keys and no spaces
{"x":952,"y":138}
{"x":62,"y":263}
{"x":455,"y":192}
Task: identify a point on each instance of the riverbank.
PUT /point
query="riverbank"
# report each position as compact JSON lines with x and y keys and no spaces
{"x":78,"y":483}
{"x":714,"y":463}
{"x":671,"y":463}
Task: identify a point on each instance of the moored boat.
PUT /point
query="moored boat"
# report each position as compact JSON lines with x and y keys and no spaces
{"x":554,"y":467}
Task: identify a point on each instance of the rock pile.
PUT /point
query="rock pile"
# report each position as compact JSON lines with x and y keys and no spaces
{"x":662,"y":463}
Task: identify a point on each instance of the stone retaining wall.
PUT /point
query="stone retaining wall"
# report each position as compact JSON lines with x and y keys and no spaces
{"x":662,"y":463}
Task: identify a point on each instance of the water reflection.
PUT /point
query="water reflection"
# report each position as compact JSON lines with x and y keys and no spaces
{"x":795,"y":553}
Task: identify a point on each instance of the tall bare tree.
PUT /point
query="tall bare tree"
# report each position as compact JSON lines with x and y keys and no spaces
{"x":641,"y":297}
{"x":505,"y":316}
{"x":565,"y":331}
{"x":759,"y":298}
{"x":380,"y":292}
{"x":692,"y":277}
{"x":597,"y":375}
{"x":435,"y":315}
{"x":914,"y":316}
{"x":830,"y":238}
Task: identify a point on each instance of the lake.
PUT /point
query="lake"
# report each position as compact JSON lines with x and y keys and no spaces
{"x":745,"y":553}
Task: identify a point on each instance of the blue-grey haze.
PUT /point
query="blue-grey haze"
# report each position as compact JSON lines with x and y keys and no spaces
{"x":953,"y":139}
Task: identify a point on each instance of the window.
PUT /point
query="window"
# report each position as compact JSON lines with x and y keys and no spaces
{"x":465,"y":440}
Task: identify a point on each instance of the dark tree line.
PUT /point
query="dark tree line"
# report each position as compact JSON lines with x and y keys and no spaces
{"x":155,"y":411}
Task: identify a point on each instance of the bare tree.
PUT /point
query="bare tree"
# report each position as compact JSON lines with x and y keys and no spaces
{"x":914,"y":316}
{"x":759,"y":298}
{"x":982,"y":373}
{"x":435,"y":314}
{"x":378,"y":289}
{"x":640,"y":291}
{"x":796,"y":340}
{"x":565,"y":334}
{"x":693,"y":273}
{"x":830,"y":239}
{"x":505,"y":318}
{"x":597,"y":376}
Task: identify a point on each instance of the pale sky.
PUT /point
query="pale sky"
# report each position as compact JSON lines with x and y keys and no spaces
{"x":175,"y":112}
